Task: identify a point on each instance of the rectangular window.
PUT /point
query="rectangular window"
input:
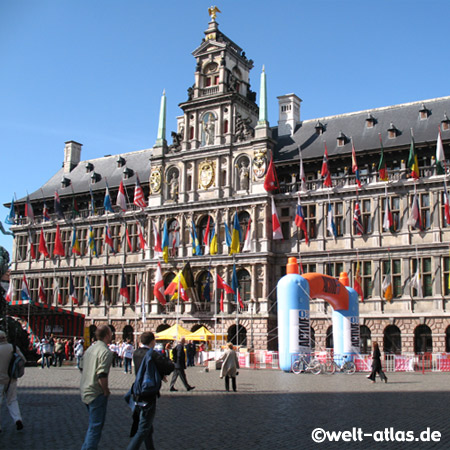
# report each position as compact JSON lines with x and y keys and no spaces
{"x":366,"y":206}
{"x":365,"y":269}
{"x":309,"y":268}
{"x":132,"y":232}
{"x":208,"y":81}
{"x":425,"y":211}
{"x":338,"y":212}
{"x":216,"y":80}
{"x":334,"y":269}
{"x":22,"y":247}
{"x":446,"y":275}
{"x":426,"y":278}
{"x":393,"y":267}
{"x":309,"y":212}
{"x":443,"y":220}
{"x":394,"y":206}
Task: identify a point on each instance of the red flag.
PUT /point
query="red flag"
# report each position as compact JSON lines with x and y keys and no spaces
{"x":142,"y":243}
{"x":139,"y":198}
{"x":121,"y":198}
{"x":136,"y":300}
{"x":158,"y":289}
{"x":130,"y":247}
{"x":271,"y":180}
{"x":357,"y":283}
{"x":325,"y":173}
{"x":222,"y":285}
{"x":221,"y":301}
{"x":108,"y":238}
{"x":240,"y":300}
{"x":355,"y":169}
{"x":276,"y":227}
{"x":59,"y":248}
{"x":42,"y":245}
{"x":446,"y":206}
{"x":157,"y":238}
{"x":42,"y":296}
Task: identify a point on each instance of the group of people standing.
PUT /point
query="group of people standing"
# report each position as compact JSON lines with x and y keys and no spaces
{"x":122,"y":354}
{"x":53,"y":351}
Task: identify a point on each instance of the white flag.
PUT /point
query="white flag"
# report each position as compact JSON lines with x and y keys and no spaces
{"x":416,"y":283}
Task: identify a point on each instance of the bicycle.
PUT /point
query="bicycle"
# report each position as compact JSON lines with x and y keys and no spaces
{"x":302,"y":365}
{"x":347,"y":367}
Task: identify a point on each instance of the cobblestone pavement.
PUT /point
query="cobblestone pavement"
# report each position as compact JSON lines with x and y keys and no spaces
{"x":271,"y":410}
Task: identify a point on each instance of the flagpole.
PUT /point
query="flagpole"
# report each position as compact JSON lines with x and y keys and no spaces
{"x":215,"y":312}
{"x":178,"y":303}
{"x":237,"y":306}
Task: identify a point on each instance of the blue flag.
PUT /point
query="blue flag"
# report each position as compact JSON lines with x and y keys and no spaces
{"x":107,"y":202}
{"x":11,"y":217}
{"x":227,"y":235}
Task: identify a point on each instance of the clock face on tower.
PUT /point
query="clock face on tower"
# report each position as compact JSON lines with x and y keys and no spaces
{"x":155,"y":180}
{"x":206,"y":172}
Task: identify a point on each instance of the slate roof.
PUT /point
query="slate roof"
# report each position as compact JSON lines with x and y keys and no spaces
{"x":106,"y":166}
{"x":403,"y":117}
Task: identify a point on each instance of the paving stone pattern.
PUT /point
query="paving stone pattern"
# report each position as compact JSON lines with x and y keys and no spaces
{"x":271,"y":410}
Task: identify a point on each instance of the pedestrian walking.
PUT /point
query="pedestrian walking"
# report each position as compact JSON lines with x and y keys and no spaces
{"x":230,"y":364}
{"x":46,"y":352}
{"x":151,"y":367}
{"x":79,"y":351}
{"x":376,"y":364}
{"x":128,"y":356}
{"x":95,"y":366}
{"x":8,"y":386}
{"x":179,"y":359}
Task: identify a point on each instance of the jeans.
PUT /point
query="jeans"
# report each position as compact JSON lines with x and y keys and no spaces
{"x":45,"y":359}
{"x":11,"y":399}
{"x":97,"y":414}
{"x":145,"y":428}
{"x":127,"y":364}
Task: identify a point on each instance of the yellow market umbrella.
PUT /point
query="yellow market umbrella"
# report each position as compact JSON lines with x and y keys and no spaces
{"x":203,"y":334}
{"x":171,"y":334}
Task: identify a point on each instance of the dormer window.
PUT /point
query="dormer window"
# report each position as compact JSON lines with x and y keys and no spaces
{"x":65,"y":182}
{"x":370,"y":121}
{"x":95,"y":177}
{"x":89,"y":167}
{"x":445,"y":123}
{"x":128,"y":173}
{"x":120,"y":161}
{"x":341,"y":139}
{"x":392,"y":131}
{"x":424,"y":112}
{"x":320,"y":128}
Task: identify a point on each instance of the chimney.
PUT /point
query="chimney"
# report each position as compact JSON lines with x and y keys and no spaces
{"x":72,"y":155}
{"x":289,"y":114}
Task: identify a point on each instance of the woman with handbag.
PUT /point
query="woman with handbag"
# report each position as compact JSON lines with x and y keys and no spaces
{"x":230,"y":364}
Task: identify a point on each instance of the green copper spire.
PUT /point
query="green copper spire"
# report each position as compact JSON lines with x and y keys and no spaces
{"x":263,"y":100}
{"x":161,"y":138}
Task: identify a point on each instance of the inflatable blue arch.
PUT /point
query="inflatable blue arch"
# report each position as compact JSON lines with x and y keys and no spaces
{"x":294,"y":292}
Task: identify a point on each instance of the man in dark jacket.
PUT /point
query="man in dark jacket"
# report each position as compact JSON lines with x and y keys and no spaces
{"x":179,"y":358}
{"x":145,"y":403}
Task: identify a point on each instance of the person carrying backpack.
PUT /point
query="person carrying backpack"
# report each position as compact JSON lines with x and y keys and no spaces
{"x":151,"y":368}
{"x":8,"y":384}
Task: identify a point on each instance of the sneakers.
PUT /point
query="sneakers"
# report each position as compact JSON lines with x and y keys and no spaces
{"x":190,"y":388}
{"x":19,"y":425}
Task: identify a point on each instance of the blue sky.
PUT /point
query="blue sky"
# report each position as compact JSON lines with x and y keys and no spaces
{"x":94,"y":71}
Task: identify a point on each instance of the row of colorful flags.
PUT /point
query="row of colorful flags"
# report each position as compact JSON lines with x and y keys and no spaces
{"x":179,"y":286}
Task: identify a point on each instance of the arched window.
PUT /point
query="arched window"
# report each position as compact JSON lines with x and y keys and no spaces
{"x":447,"y":339}
{"x":244,"y":281}
{"x":128,"y":333}
{"x":174,"y":237}
{"x":205,"y":289}
{"x":237,"y":338}
{"x":329,"y":338}
{"x":168,"y":277}
{"x":162,"y":327}
{"x":365,"y":339}
{"x":392,"y":340}
{"x":423,"y":340}
{"x":244,"y":219}
{"x":202,"y":228}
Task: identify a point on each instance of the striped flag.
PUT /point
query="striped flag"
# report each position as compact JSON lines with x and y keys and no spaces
{"x":236,"y":235}
{"x":57,"y":292}
{"x":416,"y":282}
{"x":45,"y":213}
{"x":235,"y":287}
{"x":32,"y":249}
{"x":355,"y":169}
{"x":300,"y":220}
{"x":11,"y":217}
{"x":57,"y":205}
{"x":107,"y":201}
{"x":9,"y":292}
{"x":413,"y":162}
{"x":25,"y":291}
{"x":29,"y":213}
{"x":88,"y":291}
{"x":124,"y":292}
{"x":121,"y":200}
{"x":108,"y":238}
{"x":248,"y":235}
{"x":415,"y":220}
{"x":42,"y":294}
{"x":106,"y":291}
{"x":388,"y":221}
{"x":72,"y":292}
{"x":331,"y":226}
{"x":440,"y":156}
{"x":165,"y":243}
{"x":206,"y":237}
{"x":276,"y":226}
{"x":142,"y":242}
{"x":76,"y":250}
{"x":357,"y":282}
{"x":357,"y":219}
{"x":325,"y":172}
{"x":158,"y":289}
{"x":382,"y":170}
{"x":139,"y":198}
{"x":446,"y":205}
{"x":91,"y":242}
{"x":157,"y":238}
{"x":303,"y":186}
{"x":213,"y":249}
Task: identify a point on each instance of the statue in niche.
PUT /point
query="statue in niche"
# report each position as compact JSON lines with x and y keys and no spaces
{"x":209,"y":129}
{"x":173,"y":187}
{"x":243,"y":130}
{"x":244,"y":175}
